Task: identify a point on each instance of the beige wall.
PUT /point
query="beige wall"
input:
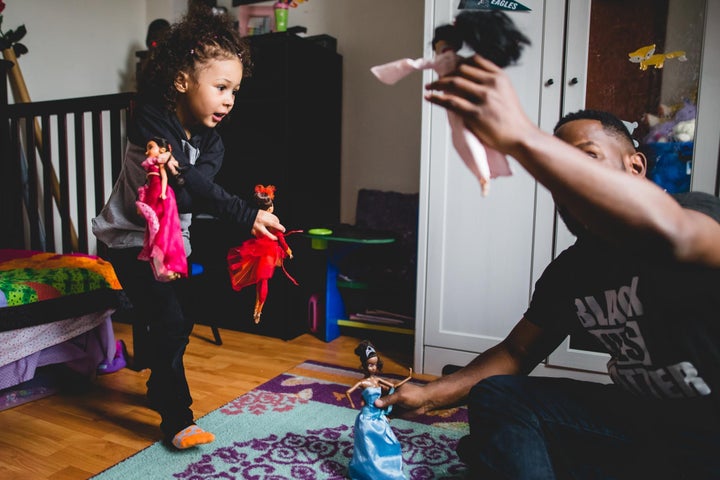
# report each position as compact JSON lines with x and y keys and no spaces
{"x":381,"y":124}
{"x":80,"y":48}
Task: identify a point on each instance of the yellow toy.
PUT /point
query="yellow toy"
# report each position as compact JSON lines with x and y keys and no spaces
{"x":646,"y":57}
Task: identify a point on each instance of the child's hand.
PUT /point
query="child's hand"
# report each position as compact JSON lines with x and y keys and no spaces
{"x":265,"y":224}
{"x":172,"y":164}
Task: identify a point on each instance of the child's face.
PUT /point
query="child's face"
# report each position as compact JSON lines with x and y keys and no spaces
{"x":209,"y":95}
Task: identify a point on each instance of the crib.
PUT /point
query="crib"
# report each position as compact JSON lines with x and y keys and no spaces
{"x":57,"y":294}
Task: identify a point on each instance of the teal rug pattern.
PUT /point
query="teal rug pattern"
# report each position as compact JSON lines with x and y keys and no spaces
{"x":298,"y":425}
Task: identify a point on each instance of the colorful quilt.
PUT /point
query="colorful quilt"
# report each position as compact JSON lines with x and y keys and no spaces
{"x":41,"y":287}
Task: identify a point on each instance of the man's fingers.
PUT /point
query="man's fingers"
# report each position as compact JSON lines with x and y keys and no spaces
{"x":454,"y":103}
{"x":482,"y":64}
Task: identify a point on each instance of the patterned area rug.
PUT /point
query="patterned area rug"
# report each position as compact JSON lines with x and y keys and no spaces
{"x":298,"y":425}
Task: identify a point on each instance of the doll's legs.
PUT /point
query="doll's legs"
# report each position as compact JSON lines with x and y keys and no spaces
{"x":261,"y":295}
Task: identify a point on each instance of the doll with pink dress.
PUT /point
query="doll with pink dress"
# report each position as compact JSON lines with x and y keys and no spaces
{"x":163,"y":245}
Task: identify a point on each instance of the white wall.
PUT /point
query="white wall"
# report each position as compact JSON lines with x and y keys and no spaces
{"x":80,"y":48}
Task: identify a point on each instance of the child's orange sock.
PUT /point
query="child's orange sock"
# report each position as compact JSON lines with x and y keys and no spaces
{"x":191,"y":436}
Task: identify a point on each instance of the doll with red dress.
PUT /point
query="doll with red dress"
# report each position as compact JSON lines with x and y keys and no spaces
{"x":163,"y":245}
{"x":254,"y":261}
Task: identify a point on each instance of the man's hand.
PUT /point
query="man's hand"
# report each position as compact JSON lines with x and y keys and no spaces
{"x":408,"y":400}
{"x":266,"y":223}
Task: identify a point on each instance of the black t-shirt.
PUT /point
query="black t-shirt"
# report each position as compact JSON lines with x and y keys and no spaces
{"x":659,"y":320}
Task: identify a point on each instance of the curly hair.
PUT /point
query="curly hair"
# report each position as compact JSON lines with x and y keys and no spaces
{"x":188,"y":45}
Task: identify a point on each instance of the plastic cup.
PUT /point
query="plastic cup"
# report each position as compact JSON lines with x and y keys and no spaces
{"x":281,"y":17}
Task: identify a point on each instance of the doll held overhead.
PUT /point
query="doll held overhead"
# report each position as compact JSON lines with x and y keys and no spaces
{"x":491,"y":34}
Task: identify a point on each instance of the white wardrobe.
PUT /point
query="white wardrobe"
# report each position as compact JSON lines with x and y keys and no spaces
{"x":479,"y":257}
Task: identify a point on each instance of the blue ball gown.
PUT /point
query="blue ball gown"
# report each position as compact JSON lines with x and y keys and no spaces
{"x":377,"y":453}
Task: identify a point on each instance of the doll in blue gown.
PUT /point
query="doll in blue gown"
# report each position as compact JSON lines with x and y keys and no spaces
{"x":377,"y":453}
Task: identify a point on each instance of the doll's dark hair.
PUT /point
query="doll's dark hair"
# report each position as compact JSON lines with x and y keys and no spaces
{"x":161,"y":142}
{"x":365,"y":351}
{"x":611,"y":123}
{"x":491,"y":34}
{"x":198,"y":37}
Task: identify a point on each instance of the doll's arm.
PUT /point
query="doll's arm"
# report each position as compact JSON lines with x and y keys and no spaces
{"x":281,"y":240}
{"x":406,"y":380}
{"x":349,"y":391}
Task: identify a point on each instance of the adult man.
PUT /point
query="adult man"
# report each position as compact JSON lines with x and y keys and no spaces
{"x":643,"y":279}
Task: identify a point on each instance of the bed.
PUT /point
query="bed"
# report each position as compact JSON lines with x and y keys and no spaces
{"x":55,"y":308}
{"x":58,"y":160}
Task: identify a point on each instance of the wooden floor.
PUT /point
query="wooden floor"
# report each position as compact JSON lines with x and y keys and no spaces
{"x":78,"y":433}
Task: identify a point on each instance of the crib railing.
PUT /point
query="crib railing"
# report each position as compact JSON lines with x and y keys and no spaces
{"x":58,"y":160}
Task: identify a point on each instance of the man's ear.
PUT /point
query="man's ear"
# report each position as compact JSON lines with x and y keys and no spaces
{"x":638,"y":164}
{"x":181,"y":82}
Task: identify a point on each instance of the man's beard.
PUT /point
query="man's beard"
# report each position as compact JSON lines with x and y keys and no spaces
{"x":573,"y":225}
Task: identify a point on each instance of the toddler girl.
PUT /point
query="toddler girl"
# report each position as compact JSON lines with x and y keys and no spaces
{"x":186,"y":88}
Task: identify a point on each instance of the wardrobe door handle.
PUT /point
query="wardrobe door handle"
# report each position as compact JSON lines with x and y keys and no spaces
{"x":574,"y":81}
{"x":549,"y":82}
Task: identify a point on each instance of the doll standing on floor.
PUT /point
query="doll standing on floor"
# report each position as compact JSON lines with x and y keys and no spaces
{"x":376,"y":452}
{"x":163,"y":246}
{"x":254,"y":261}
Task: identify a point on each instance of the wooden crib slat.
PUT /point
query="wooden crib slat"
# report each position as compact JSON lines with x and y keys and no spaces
{"x":32,"y":200}
{"x":81,"y":185}
{"x":49,"y":184}
{"x":98,"y":161}
{"x":64,"y":207}
{"x":14,"y":183}
{"x":49,"y":203}
{"x":115,"y":143}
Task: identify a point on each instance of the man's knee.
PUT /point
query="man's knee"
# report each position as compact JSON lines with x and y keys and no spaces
{"x":506,"y":439}
{"x":501,"y":406}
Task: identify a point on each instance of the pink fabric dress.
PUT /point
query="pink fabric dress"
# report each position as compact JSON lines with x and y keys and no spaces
{"x":485,"y":163}
{"x":163,"y":245}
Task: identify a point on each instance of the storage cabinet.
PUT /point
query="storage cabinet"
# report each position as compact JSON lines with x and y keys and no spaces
{"x":284,"y":130}
{"x":479,"y":257}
